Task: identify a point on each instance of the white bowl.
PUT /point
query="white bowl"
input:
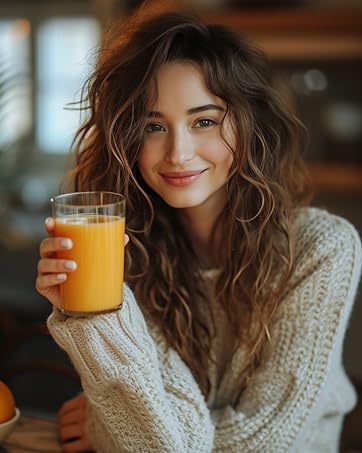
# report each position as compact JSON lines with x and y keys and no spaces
{"x":7,"y":427}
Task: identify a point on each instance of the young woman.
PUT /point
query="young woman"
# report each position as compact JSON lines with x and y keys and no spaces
{"x":237,"y":296}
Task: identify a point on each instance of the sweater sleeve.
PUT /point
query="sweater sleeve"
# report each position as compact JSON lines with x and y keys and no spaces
{"x":130,"y":407}
{"x":283,"y":397}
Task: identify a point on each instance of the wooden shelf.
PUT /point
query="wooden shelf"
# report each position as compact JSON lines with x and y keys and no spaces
{"x":295,"y":20}
{"x":336,"y":177}
{"x":326,"y":47}
{"x":295,"y":34}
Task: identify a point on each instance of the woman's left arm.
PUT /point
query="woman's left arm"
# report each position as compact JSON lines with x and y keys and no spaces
{"x":295,"y":400}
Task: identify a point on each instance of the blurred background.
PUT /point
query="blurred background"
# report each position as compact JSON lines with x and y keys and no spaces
{"x":46,"y":51}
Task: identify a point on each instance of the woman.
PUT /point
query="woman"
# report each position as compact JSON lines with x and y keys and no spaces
{"x":238,"y":296}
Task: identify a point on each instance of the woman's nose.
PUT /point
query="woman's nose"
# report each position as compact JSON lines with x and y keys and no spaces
{"x":181,"y":148}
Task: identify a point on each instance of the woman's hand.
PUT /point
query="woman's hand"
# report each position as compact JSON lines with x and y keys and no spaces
{"x":71,"y":420}
{"x":53,"y":271}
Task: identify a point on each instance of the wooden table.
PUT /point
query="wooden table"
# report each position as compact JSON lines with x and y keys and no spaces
{"x":32,"y":434}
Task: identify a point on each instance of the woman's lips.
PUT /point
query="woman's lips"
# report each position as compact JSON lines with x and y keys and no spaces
{"x":181,"y":178}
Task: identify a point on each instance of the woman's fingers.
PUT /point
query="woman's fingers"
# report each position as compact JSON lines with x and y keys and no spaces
{"x":51,"y":273}
{"x":76,"y":446}
{"x":47,"y":265}
{"x":45,"y":282}
{"x":71,"y":425}
{"x":72,"y":417}
{"x":77,"y":402}
{"x":50,"y":245}
{"x":49,"y":224}
{"x":72,"y":431}
{"x":51,"y":270}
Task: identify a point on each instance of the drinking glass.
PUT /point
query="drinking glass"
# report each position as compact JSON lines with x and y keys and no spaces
{"x":95,"y":222}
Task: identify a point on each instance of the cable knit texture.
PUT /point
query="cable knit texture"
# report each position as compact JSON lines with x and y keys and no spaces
{"x":143,"y":398}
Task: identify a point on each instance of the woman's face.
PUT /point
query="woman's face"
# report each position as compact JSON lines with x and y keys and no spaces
{"x":183,"y":158}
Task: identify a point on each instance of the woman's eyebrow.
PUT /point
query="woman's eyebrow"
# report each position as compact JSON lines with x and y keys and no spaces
{"x":191,"y":111}
{"x":203,"y":108}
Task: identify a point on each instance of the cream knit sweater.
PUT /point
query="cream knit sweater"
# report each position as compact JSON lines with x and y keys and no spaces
{"x":142,"y":397}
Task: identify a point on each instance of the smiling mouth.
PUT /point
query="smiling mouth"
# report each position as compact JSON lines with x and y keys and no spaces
{"x":182,"y":178}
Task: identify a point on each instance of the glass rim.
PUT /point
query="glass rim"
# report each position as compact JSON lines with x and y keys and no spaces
{"x":57,"y":199}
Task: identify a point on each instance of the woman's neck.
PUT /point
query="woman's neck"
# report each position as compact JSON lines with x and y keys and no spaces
{"x":198,"y":223}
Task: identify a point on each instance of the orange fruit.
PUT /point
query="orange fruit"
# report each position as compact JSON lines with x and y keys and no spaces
{"x":7,"y":403}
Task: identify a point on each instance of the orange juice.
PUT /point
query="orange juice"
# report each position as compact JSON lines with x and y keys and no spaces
{"x":98,"y":250}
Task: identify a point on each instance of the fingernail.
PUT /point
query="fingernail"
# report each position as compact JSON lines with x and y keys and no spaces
{"x":66,"y":243}
{"x":72,"y":265}
{"x":48,"y":220}
{"x":61,"y":276}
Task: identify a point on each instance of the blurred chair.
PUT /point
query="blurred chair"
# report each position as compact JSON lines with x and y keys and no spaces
{"x":36,"y":369}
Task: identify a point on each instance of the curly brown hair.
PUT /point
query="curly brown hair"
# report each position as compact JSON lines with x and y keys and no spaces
{"x":267,"y":181}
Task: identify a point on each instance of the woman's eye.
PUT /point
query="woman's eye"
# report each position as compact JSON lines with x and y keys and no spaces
{"x":153,"y":127}
{"x":205,"y":123}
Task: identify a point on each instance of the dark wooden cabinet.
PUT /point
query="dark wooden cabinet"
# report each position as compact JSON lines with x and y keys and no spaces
{"x":328,"y":37}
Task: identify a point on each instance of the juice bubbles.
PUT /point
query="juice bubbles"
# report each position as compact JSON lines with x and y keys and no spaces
{"x":95,"y":222}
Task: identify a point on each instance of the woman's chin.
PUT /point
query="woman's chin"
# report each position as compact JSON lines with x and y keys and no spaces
{"x":182,"y":203}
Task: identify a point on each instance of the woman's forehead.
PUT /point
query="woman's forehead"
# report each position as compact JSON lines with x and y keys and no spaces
{"x":182,"y":82}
